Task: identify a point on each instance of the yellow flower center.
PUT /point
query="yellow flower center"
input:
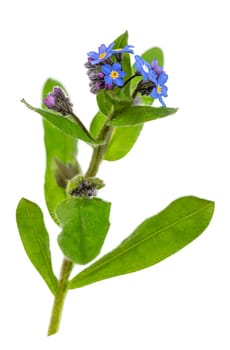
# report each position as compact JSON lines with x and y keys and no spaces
{"x":158,"y":89}
{"x":102,"y":55}
{"x":114,"y":74}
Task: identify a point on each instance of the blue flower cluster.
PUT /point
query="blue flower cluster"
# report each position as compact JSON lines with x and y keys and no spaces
{"x":105,"y":68}
{"x":105,"y":72}
{"x":152,"y":73}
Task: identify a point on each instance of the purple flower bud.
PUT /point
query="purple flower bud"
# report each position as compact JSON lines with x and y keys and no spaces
{"x":57,"y":101}
{"x":57,"y":90}
{"x":157,"y":69}
{"x":100,"y":75}
{"x":49,"y":101}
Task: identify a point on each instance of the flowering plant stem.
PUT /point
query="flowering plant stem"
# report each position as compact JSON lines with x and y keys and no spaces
{"x":71,"y":196}
{"x":59,"y":300}
{"x":67,"y":265}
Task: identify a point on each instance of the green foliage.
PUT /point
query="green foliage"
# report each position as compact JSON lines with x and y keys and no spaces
{"x":85,"y":223}
{"x":104,"y":104}
{"x":121,"y":141}
{"x":154,"y":53}
{"x":59,"y":146}
{"x":140,"y":114}
{"x":35,"y":240}
{"x":154,"y":240}
{"x":68,"y":125}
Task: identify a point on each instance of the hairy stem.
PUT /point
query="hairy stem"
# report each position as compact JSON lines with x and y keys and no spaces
{"x":99,"y":151}
{"x":59,"y":300}
{"x":67,"y":265}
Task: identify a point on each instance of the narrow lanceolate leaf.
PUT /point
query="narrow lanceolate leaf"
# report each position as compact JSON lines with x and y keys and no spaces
{"x":140,"y":114}
{"x":121,"y":141}
{"x":60,"y":149}
{"x":154,"y":240}
{"x":66,"y":124}
{"x":85,"y":223}
{"x":35,"y":240}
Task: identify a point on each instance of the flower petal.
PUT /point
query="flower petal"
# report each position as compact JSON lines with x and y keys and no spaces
{"x":163,"y":77}
{"x":164,"y":91}
{"x":122,"y":74}
{"x":118,"y":82}
{"x":106,"y":69}
{"x":110,"y":47}
{"x":93,"y":55}
{"x":116,"y":67}
{"x":102,"y":49}
{"x":108,"y":80}
{"x":154,"y":93}
{"x":152,"y":77}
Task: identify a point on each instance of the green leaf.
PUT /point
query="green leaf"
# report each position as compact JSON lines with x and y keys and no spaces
{"x":65,"y":124}
{"x":154,"y":240}
{"x":35,"y":240}
{"x":97,"y":123}
{"x":121,"y":141}
{"x":104,"y":104}
{"x":154,"y":53}
{"x":59,"y":147}
{"x":121,"y":42}
{"x":85,"y":223}
{"x":140,"y":114}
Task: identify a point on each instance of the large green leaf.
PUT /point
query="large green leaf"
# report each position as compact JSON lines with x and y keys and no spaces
{"x":59,"y":146}
{"x":121,"y":141}
{"x":35,"y":240}
{"x":67,"y":124}
{"x":85,"y":223}
{"x":140,"y":114}
{"x":154,"y":240}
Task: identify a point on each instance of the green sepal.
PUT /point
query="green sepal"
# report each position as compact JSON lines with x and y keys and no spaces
{"x":76,"y":180}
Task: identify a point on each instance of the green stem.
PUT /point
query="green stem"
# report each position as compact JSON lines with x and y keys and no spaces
{"x":59,"y":300}
{"x":67,"y":265}
{"x":99,"y":151}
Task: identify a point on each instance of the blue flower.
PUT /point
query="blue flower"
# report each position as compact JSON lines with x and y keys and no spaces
{"x":113,"y":74}
{"x":127,"y":49}
{"x":102,"y":54}
{"x":144,"y":68}
{"x":160,"y":89}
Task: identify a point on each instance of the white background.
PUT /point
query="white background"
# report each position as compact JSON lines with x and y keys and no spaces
{"x":183,"y":302}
